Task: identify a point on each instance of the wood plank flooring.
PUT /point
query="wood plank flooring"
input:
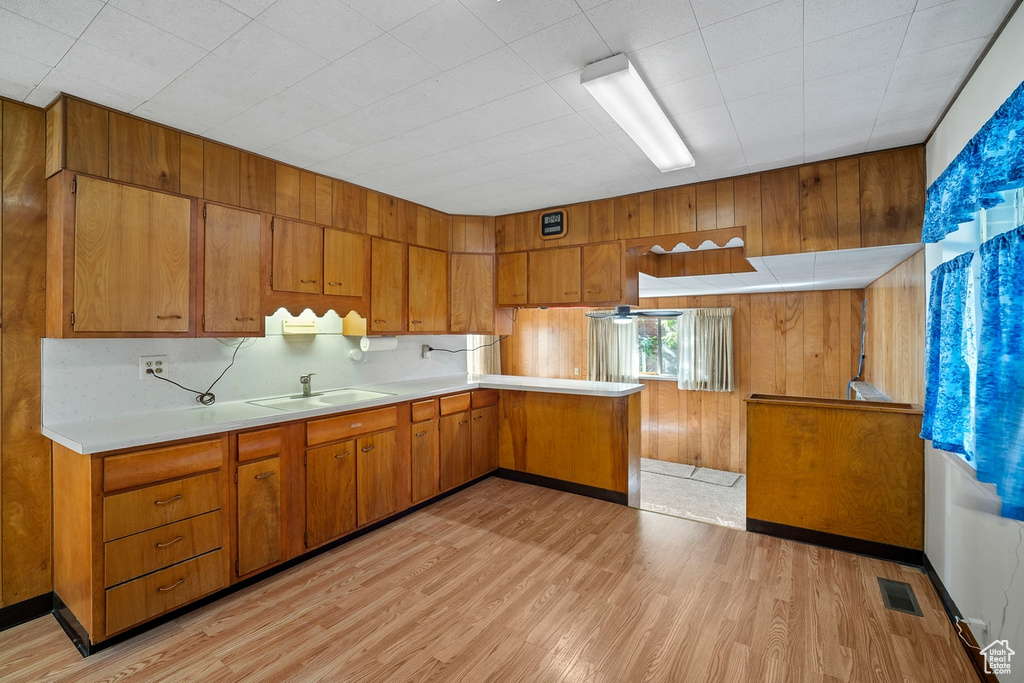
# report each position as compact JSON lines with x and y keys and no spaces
{"x":511,"y":582}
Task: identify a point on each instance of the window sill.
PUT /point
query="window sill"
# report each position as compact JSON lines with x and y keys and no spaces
{"x":663,"y":378}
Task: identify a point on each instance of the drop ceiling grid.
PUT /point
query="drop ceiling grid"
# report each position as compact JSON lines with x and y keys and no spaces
{"x":474,"y":106}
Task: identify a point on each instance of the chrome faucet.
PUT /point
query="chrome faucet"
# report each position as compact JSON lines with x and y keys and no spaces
{"x":307,"y":384}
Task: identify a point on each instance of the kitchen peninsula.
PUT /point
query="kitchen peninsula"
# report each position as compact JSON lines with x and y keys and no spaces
{"x":157,"y":511}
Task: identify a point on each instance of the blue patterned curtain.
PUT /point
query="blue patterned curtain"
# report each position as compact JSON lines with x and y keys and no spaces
{"x":948,"y":358}
{"x":999,"y":419}
{"x":991,"y":162}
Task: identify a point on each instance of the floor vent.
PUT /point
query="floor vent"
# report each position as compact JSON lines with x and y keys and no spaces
{"x":899,"y":597}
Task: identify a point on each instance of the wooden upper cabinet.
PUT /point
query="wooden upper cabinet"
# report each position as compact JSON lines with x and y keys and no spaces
{"x":428,"y":290}
{"x":554,"y":276}
{"x":387,"y":290}
{"x":472,"y":293}
{"x":86,"y":137}
{"x":259,"y":515}
{"x":344,"y":263}
{"x":297,"y":261}
{"x":144,"y":153}
{"x":512,"y":279}
{"x":892,"y":197}
{"x":132,"y":259}
{"x":231,"y":271}
{"x":602,"y":273}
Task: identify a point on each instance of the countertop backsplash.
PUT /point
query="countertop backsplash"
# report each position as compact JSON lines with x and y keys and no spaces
{"x":99,"y":378}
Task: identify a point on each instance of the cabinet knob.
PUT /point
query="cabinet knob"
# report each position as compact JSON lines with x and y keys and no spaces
{"x":308,"y":282}
{"x":169,"y":543}
{"x":169,"y":500}
{"x":164,"y":589}
{"x":264,"y":475}
{"x":367,"y":449}
{"x":168,"y":317}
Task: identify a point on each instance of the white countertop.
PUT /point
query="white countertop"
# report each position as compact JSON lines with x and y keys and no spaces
{"x":98,"y":436}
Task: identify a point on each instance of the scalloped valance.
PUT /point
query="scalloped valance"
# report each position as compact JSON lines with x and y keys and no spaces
{"x":992,"y":162}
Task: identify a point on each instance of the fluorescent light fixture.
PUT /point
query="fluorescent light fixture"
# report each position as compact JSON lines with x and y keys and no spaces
{"x":617,"y":87}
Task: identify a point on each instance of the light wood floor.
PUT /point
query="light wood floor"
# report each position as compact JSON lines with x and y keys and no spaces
{"x":511,"y":582}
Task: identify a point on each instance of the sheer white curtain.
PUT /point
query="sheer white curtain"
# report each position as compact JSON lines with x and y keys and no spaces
{"x":705,"y":349}
{"x":484,"y":358}
{"x":611,"y":351}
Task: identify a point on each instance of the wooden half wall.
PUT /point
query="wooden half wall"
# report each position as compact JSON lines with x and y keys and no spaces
{"x":794,"y":343}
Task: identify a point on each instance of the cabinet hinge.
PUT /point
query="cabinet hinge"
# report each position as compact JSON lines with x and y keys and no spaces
{"x":303,"y":459}
{"x":204,"y":211}
{"x":74,"y":185}
{"x":305,"y":539}
{"x":236,"y":568}
{"x":271,"y":280}
{"x":236,"y":476}
{"x":204,"y":322}
{"x":72,"y":318}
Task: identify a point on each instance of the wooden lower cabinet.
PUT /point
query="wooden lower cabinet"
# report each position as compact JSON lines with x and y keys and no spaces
{"x":330,"y":492}
{"x":376,"y":480}
{"x":456,"y":445}
{"x":484,"y":435}
{"x":258,"y":515}
{"x":423,"y":446}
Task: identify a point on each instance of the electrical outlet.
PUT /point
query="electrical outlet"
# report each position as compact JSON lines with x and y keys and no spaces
{"x":426,"y":351}
{"x":158,"y":364}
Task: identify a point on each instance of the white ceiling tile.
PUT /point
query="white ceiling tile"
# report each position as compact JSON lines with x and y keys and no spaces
{"x":138,"y":41}
{"x":308,"y":148}
{"x":825,"y":18}
{"x":572,"y":91}
{"x":327,"y":27}
{"x":690,"y":95}
{"x":887,"y":139}
{"x":763,"y":155}
{"x":116,"y":72}
{"x":919,"y":97}
{"x":941,"y":64}
{"x":78,"y":84}
{"x":629,"y":25}
{"x":953,"y":22}
{"x":855,"y":49}
{"x":674,"y":60}
{"x":388,"y":64}
{"x":769,"y":115}
{"x":250,"y":8}
{"x":290,"y":112}
{"x":18,"y":69}
{"x":269,"y":53}
{"x":713,"y":11}
{"x":508,"y":145}
{"x":762,"y":75}
{"x":835,"y":118}
{"x":206,"y":23}
{"x":563,"y":129}
{"x":534,"y":105}
{"x":21,"y":93}
{"x":447,"y":35}
{"x":388,"y":15}
{"x":339,"y":89}
{"x":816,"y":150}
{"x":511,"y":21}
{"x":706,"y":121}
{"x":601,"y":120}
{"x":563,"y":48}
{"x":849,"y":86}
{"x":496,"y":74}
{"x":759,"y":33}
{"x":35,"y":41}
{"x":232,"y":79}
{"x":191,"y":107}
{"x":70,"y":18}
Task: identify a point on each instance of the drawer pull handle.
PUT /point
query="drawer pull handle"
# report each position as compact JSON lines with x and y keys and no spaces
{"x":416,"y":322}
{"x":479,"y":417}
{"x":355,"y":425}
{"x":334,"y":284}
{"x":240,"y":319}
{"x":308,"y":282}
{"x":169,"y":500}
{"x":168,"y":317}
{"x":569,"y":293}
{"x":263,"y":476}
{"x":367,"y":449}
{"x":169,"y":543}
{"x":339,"y":456}
{"x":164,"y":589}
{"x":379,"y":321}
{"x":462,"y":422}
{"x":420,"y":433}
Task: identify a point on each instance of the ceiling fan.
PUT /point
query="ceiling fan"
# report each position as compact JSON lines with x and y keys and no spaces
{"x":623,"y":316}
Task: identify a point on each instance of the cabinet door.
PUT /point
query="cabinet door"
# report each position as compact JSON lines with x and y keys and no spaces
{"x":602,"y":273}
{"x":259,"y":514}
{"x":485,"y":440}
{"x":512,"y":279}
{"x":344,"y":263}
{"x":455,"y":448}
{"x":472,"y":284}
{"x":298,"y":256}
{"x":330,"y":492}
{"x":132,"y":259}
{"x":231,"y":271}
{"x":428,"y":290}
{"x":387,"y":290}
{"x":376,"y":484}
{"x":555,"y":276}
{"x":424,"y":460}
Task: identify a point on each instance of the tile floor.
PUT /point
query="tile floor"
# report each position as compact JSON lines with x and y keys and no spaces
{"x":697,"y":493}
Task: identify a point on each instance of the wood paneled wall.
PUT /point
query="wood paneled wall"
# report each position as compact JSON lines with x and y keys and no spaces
{"x":102,"y":142}
{"x":894,"y":347}
{"x":795,"y":343}
{"x":25,"y":559}
{"x":862,"y":201}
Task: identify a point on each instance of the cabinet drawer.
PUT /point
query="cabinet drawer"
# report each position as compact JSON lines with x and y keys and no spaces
{"x":458,"y":403}
{"x":253,"y":445}
{"x":348,"y":426}
{"x":158,"y":464}
{"x":424,"y":410}
{"x":133,"y":556}
{"x":485,"y":397}
{"x":153,"y":594}
{"x":129,"y":513}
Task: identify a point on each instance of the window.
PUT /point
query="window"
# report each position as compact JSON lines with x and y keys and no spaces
{"x":657,"y":343}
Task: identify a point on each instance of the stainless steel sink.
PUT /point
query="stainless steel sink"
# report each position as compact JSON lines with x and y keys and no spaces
{"x":332,"y":398}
